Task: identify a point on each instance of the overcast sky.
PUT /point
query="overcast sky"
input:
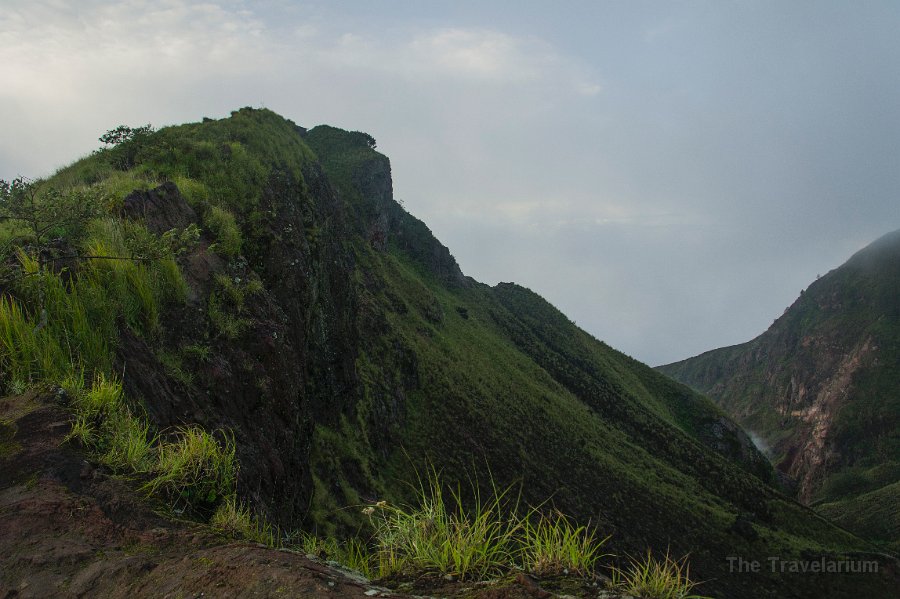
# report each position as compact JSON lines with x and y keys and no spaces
{"x":669,"y":174}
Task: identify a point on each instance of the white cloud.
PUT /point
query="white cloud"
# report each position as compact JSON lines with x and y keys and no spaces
{"x":482,"y":54}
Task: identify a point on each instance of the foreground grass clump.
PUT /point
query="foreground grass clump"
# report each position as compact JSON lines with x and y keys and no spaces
{"x":237,"y":520}
{"x":554,"y":545}
{"x":650,"y":578}
{"x":105,"y":424}
{"x":191,"y":467}
{"x":194,"y":468}
{"x":439,"y":534}
{"x":487,"y":539}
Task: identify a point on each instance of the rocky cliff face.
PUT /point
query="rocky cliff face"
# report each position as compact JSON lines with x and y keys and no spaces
{"x":819,"y":387}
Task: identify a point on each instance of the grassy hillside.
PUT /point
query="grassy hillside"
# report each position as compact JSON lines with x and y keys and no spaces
{"x":338,"y":341}
{"x":822,"y":388}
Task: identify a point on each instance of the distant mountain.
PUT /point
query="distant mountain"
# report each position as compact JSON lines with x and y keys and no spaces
{"x":307,"y":312}
{"x":821,"y":389}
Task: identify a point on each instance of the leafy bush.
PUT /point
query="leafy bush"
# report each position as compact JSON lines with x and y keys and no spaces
{"x":46,"y":212}
{"x":127,"y":144}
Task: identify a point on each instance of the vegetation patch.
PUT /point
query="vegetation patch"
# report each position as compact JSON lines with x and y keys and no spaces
{"x":553,"y":545}
{"x":223,"y":226}
{"x":652,"y":578}
{"x":237,"y":520}
{"x":439,"y":533}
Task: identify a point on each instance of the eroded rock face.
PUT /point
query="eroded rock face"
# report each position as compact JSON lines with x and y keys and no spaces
{"x":814,"y":401}
{"x":248,"y":379}
{"x":817,"y":386}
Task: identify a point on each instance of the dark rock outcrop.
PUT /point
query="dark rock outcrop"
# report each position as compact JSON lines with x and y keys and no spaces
{"x":161,"y":209}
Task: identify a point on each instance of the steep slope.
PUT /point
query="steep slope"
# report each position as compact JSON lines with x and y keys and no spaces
{"x":821,"y":388}
{"x":339,"y":341}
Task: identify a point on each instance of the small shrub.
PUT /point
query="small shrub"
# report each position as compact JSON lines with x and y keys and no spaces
{"x":649,"y":578}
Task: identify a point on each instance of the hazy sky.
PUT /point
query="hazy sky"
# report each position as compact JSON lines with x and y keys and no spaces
{"x":669,"y":174}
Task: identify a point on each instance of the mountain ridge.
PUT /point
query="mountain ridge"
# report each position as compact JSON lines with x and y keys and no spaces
{"x":819,"y":384}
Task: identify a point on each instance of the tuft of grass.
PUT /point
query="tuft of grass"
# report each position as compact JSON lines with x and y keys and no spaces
{"x":222,"y":224}
{"x":227,"y":306}
{"x":104,"y":423}
{"x":93,"y":407}
{"x":237,"y":520}
{"x":312,"y":544}
{"x":554,"y":545}
{"x":650,"y":578}
{"x":195,"y":468}
{"x":355,"y":554}
{"x":174,"y":367}
{"x":130,"y":444}
{"x":441,"y":534}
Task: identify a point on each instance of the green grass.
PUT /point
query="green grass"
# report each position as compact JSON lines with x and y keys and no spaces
{"x":191,"y":467}
{"x":105,"y":424}
{"x":237,"y":520}
{"x":554,"y":545}
{"x":227,"y":304}
{"x":195,"y":469}
{"x":652,"y":578}
{"x":130,"y":443}
{"x":440,"y":533}
{"x":476,"y":537}
{"x":874,"y":514}
{"x":222,"y":224}
{"x":59,"y":324}
{"x":62,"y":329}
